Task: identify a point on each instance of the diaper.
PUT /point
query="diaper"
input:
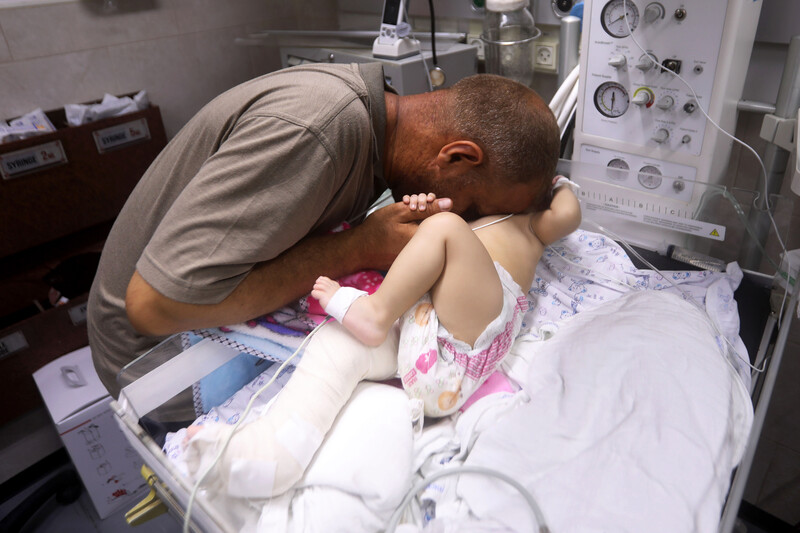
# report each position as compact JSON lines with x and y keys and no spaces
{"x":444,"y":371}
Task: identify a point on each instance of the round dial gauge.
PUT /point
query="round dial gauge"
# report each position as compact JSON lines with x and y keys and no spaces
{"x":617,"y":169}
{"x":650,"y":177}
{"x":611,"y":99}
{"x":613,"y":17}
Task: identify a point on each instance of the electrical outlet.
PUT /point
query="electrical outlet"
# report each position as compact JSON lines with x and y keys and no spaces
{"x":545,"y":52}
{"x":545,"y":55}
{"x":477,"y":43}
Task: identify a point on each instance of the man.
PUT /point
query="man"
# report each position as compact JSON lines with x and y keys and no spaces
{"x":231,"y":220}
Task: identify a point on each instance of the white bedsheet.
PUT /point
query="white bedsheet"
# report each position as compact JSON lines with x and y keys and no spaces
{"x":585,"y":270}
{"x":634,"y":424}
{"x":607,"y":438}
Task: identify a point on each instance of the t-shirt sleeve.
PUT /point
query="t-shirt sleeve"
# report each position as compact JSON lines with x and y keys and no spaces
{"x":260,"y":193}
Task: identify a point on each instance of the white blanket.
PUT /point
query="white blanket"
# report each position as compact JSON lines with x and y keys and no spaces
{"x":634,"y":424}
{"x":634,"y":419}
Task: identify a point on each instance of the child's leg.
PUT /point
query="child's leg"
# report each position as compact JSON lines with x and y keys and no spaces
{"x":444,"y":257}
{"x":267,"y":456}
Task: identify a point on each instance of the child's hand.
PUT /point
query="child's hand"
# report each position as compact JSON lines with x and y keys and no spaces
{"x":419,"y":201}
{"x":565,"y":183}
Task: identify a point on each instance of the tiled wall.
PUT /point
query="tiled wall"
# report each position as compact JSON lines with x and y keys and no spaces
{"x":183,"y":52}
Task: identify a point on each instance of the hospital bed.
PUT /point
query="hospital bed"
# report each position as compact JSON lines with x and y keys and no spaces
{"x":647,"y":359}
{"x":637,"y":407}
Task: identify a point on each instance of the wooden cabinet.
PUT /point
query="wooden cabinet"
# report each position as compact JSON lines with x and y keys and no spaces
{"x":86,"y":183}
{"x":59,"y":195}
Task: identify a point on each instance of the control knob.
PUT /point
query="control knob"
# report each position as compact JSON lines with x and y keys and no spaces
{"x":645,"y":63}
{"x":641,"y":98}
{"x":661,"y":135}
{"x":617,"y":61}
{"x":653,"y":12}
{"x":665,"y":102}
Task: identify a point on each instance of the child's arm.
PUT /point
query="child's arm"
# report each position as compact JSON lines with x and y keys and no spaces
{"x":560,"y":219}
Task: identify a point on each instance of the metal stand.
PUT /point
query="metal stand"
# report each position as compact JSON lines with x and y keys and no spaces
{"x":776,"y":158}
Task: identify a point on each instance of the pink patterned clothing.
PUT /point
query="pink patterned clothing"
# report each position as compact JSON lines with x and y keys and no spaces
{"x":443,"y":371}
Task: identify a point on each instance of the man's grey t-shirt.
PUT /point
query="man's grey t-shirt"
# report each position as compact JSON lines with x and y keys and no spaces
{"x":261,"y":166}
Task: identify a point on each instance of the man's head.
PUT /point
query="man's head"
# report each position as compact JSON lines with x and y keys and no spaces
{"x":489,"y":143}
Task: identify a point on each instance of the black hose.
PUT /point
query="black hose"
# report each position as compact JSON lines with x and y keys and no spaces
{"x":433,"y":34}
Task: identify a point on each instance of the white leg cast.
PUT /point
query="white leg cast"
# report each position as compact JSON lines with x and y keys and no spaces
{"x":268,"y":456}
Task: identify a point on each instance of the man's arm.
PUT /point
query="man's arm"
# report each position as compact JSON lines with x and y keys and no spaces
{"x":273,"y":284}
{"x":560,"y":219}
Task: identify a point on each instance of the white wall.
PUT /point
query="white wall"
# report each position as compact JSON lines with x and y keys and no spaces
{"x":181,"y":51}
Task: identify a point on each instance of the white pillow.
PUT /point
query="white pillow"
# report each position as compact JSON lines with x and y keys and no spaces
{"x":368,"y":451}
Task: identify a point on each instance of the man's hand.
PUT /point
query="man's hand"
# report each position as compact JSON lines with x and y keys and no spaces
{"x":386,"y":231}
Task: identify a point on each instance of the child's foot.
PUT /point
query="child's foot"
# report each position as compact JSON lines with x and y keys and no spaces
{"x":192,"y":430}
{"x":361,"y":319}
{"x":324,"y":289}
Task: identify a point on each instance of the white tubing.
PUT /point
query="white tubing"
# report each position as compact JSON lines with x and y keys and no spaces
{"x":569,"y":106}
{"x":563,"y":91}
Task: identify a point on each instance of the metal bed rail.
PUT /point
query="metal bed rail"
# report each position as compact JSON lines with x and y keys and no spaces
{"x":761,"y":393}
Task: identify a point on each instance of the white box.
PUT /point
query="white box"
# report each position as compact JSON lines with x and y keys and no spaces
{"x":79,"y":406}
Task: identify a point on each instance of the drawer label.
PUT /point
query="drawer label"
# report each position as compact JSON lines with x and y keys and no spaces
{"x":121,"y":135}
{"x":12,"y":343}
{"x":19,"y":162}
{"x":77,"y":313}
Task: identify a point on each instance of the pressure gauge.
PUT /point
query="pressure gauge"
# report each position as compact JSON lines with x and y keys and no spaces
{"x":611,"y":99}
{"x":613,"y":16}
{"x":617,"y":169}
{"x":650,"y":177}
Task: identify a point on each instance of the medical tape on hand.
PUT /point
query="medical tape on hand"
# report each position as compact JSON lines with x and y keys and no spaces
{"x":342,"y":300}
{"x":562,"y":181}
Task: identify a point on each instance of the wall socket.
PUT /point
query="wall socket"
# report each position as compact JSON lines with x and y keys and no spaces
{"x":545,"y":53}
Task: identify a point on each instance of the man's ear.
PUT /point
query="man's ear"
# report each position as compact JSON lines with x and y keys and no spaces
{"x":460,"y":152}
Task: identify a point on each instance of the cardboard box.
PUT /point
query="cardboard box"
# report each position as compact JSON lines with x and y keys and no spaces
{"x":30,"y":344}
{"x":79,"y":405}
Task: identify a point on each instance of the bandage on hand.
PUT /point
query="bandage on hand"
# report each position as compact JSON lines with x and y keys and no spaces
{"x":562,"y":181}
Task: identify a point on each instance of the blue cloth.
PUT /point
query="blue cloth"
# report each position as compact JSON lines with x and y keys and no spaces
{"x":215,"y":388}
{"x":577,"y":11}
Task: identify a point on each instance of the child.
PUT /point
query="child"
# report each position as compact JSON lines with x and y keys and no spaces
{"x":468,"y":282}
{"x":458,"y":288}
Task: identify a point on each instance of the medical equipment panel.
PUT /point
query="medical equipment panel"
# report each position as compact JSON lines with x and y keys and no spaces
{"x":408,"y":75}
{"x":719,"y":227}
{"x":649,"y":73}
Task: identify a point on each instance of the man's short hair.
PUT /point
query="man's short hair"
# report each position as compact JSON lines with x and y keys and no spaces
{"x":513,"y":125}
